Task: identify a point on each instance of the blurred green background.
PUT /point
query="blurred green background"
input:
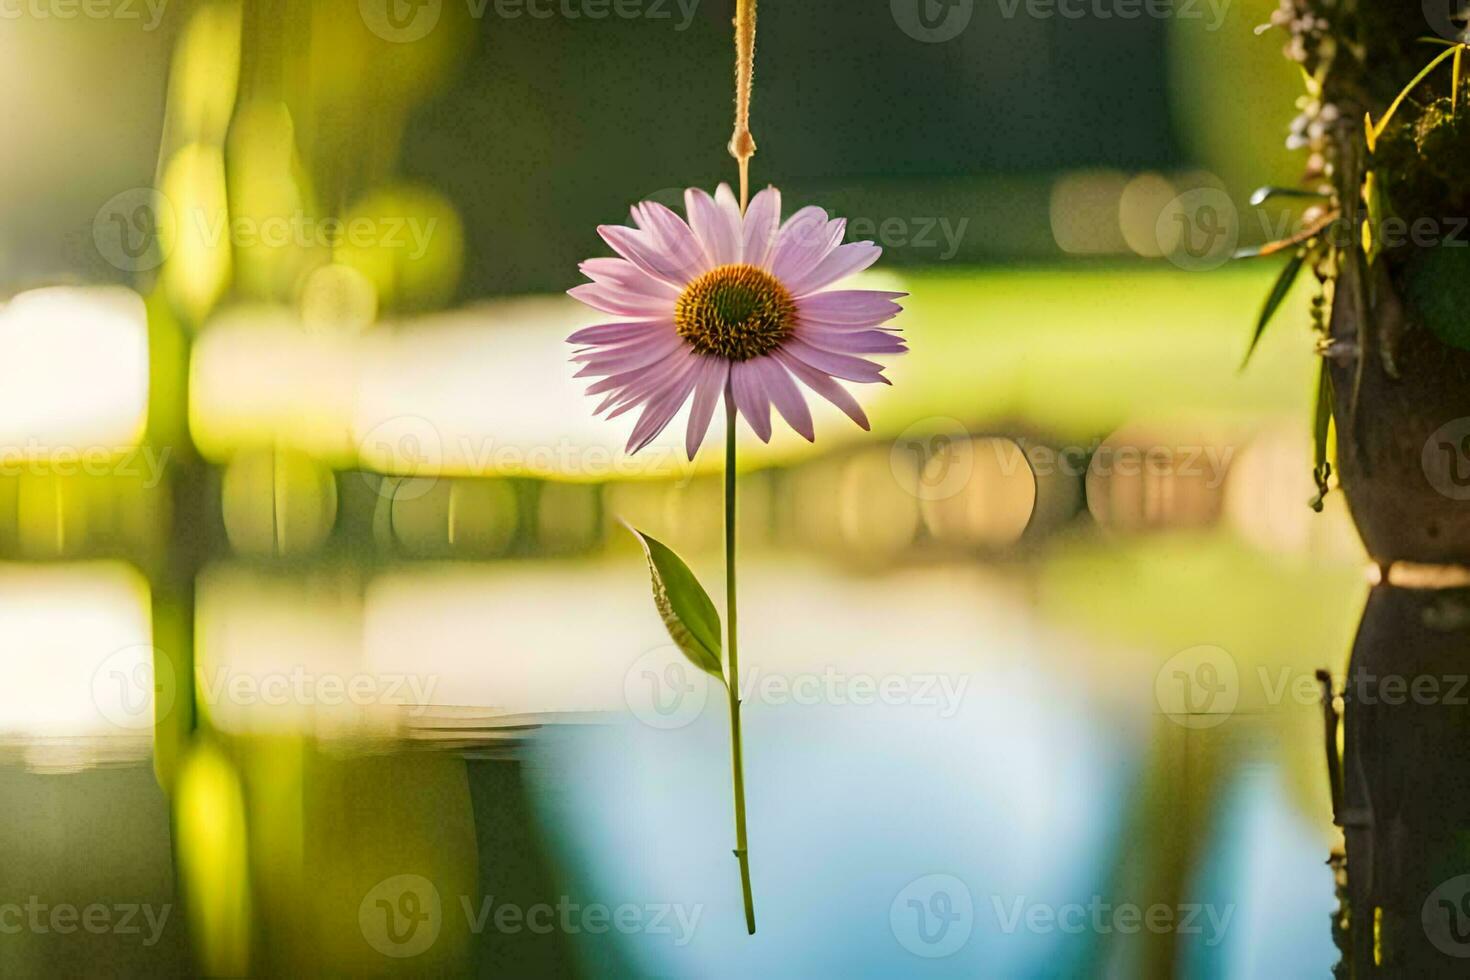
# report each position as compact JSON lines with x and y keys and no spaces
{"x":324,"y":643}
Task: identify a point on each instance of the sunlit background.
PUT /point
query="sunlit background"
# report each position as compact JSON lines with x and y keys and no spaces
{"x":324,"y":651}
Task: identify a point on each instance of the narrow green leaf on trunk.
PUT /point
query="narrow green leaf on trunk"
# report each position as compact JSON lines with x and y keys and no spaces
{"x":1378,"y":211}
{"x":1375,"y":130}
{"x":687,"y":610}
{"x":1321,"y":433}
{"x":1323,"y":424}
{"x":1273,"y":301}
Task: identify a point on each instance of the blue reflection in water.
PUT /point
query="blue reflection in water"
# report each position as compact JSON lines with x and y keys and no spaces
{"x":1267,"y":870}
{"x":880,"y":835}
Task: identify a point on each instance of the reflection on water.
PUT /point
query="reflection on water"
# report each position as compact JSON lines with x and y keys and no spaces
{"x":361,"y":690}
{"x":986,"y":789}
{"x":78,"y":664}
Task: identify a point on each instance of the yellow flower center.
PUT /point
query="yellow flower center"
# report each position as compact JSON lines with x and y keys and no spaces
{"x":735,"y":311}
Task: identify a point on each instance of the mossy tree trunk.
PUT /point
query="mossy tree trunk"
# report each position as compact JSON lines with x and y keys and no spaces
{"x":1395,"y":327}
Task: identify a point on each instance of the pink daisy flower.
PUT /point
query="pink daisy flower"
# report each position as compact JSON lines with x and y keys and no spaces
{"x":732,"y":305}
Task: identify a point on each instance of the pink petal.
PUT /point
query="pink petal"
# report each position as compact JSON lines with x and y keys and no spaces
{"x":844,"y":366}
{"x":659,"y":330}
{"x":714,"y":227}
{"x":803,"y":241}
{"x":751,"y":398}
{"x":631,"y":357}
{"x":851,"y":341}
{"x":647,"y":385}
{"x":643,"y":379}
{"x":841,"y":262}
{"x":762,"y":221}
{"x":611,"y":299}
{"x":626,"y":275}
{"x":710,"y":386}
{"x":645,"y":252}
{"x":620,"y":332}
{"x":803,"y":232}
{"x":864,"y":307}
{"x":725,"y":200}
{"x":675,"y":239}
{"x":825,"y":386}
{"x":784,"y":395}
{"x":623,"y":401}
{"x":663,"y":407}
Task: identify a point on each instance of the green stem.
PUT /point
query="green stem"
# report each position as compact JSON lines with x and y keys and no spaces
{"x":742,"y":850}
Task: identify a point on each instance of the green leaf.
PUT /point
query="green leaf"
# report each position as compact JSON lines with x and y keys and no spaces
{"x":1321,"y":434}
{"x":1377,"y":212}
{"x":1375,"y":130}
{"x":1273,"y":301}
{"x":1322,"y":423}
{"x":688,"y":613}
